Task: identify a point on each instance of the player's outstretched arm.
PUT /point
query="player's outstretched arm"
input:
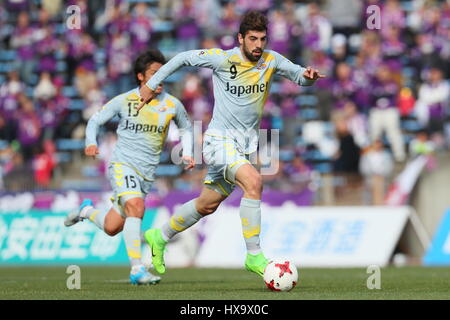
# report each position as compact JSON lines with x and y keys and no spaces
{"x":296,"y":73}
{"x":107,"y":112}
{"x":197,"y":58}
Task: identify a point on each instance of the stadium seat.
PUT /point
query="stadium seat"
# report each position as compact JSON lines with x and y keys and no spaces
{"x":287,"y":155}
{"x":60,"y":28}
{"x":70,"y":144}
{"x":307,"y":100}
{"x":8,"y":55}
{"x":3,"y":144}
{"x":411,"y":125}
{"x":61,"y":66}
{"x":165,"y":156}
{"x":147,"y":1}
{"x":6,"y":67}
{"x":63,"y":157}
{"x":309,"y":114}
{"x":323,"y":167}
{"x":315,"y":156}
{"x":168,"y":170}
{"x":81,"y":185}
{"x":69,"y":92}
{"x":90,"y":171}
{"x":76,"y":104}
{"x":163,"y":26}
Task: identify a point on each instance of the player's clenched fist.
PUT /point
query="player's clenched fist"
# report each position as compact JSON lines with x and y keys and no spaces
{"x":146,"y":94}
{"x":312,"y":74}
{"x":91,"y":151}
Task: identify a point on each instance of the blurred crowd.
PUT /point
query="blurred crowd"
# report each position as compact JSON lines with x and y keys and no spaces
{"x":385,"y":87}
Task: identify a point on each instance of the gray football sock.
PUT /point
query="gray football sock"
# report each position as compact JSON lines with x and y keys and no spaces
{"x":183,"y":218}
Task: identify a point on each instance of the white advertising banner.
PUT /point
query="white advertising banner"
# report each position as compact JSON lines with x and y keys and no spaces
{"x":308,"y":236}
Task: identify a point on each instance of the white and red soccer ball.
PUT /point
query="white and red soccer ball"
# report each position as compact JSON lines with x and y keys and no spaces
{"x":280,"y":275}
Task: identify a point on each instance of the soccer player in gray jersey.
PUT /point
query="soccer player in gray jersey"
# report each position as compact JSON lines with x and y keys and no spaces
{"x":241,"y":78}
{"x":141,"y":136}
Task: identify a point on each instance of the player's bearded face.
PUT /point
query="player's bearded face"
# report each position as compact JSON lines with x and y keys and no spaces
{"x":253,"y":44}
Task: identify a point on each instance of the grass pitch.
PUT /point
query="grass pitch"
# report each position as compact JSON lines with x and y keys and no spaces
{"x":223,"y":284}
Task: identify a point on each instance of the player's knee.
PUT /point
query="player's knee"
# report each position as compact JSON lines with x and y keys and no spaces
{"x":253,"y":186}
{"x":207,"y":208}
{"x":112,"y":230}
{"x":135,"y":208}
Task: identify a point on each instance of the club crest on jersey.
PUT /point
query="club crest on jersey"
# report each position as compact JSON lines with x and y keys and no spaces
{"x":261,"y":65}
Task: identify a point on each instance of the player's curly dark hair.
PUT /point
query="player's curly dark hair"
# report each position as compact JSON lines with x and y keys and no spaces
{"x":145,"y":59}
{"x":253,"y":21}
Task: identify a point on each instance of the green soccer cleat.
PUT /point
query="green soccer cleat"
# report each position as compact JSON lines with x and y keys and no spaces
{"x":256,"y":263}
{"x":157,"y":245}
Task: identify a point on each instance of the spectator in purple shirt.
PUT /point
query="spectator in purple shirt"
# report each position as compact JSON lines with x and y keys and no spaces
{"x":384,"y":115}
{"x":260,"y":5}
{"x":229,"y":23}
{"x":279,"y":32}
{"x":140,"y":28}
{"x":119,"y":62}
{"x":432,"y":105}
{"x":45,"y":49}
{"x":22,"y":40}
{"x":15,"y":6}
{"x":393,"y":49}
{"x":392,"y":15}
{"x":343,"y":87}
{"x":186,"y":26}
{"x":317,"y":30}
{"x":29,"y":127}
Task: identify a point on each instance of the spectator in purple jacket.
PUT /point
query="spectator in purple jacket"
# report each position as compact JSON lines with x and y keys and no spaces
{"x":29,"y":127}
{"x":229,"y":23}
{"x":80,"y":49}
{"x":279,"y":32}
{"x":393,"y":49}
{"x":140,"y":28}
{"x":432,"y":105}
{"x":45,"y":49}
{"x":392,"y":15}
{"x":15,"y":6}
{"x":317,"y":30}
{"x":53,"y":111}
{"x":186,"y":26}
{"x":119,"y":62}
{"x":260,"y":5}
{"x":343,"y":87}
{"x":23,"y":41}
{"x":384,"y":115}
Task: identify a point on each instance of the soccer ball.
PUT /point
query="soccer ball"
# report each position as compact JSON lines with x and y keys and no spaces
{"x":280,"y":275}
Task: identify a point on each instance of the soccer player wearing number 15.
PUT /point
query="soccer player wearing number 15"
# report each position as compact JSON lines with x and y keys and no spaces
{"x":241,"y":78}
{"x":141,"y":136}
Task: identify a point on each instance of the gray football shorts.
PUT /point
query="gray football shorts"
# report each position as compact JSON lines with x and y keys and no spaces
{"x":127,"y":183}
{"x":223,"y":157}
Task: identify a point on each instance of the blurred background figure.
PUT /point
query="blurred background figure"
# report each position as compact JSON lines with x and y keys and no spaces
{"x":432,"y":105}
{"x":376,"y":166}
{"x":382,"y":84}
